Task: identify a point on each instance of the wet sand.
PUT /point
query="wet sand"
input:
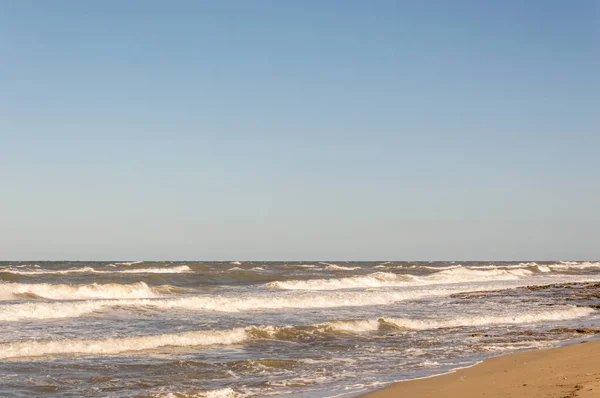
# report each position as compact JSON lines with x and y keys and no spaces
{"x":563,"y":372}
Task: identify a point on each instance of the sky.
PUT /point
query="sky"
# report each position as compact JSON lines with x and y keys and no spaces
{"x":324,"y":130}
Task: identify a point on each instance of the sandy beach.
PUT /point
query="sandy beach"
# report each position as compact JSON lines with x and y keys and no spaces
{"x":568,"y":371}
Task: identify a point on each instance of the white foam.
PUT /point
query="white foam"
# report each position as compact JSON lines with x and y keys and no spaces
{"x":572,"y":265}
{"x":68,"y":292}
{"x":90,"y":270}
{"x":377,"y":279}
{"x":240,"y":303}
{"x":173,"y":270}
{"x":543,"y":268}
{"x":519,"y":345}
{"x":463,"y":274}
{"x":218,"y":393}
{"x":369,"y":325}
{"x":125,"y":263}
{"x":118,"y":345}
{"x":438,"y":268}
{"x":564,"y":313}
{"x":83,"y":270}
{"x":110,"y":346}
{"x":455,"y":274}
{"x":57,"y":310}
{"x":334,"y":267}
{"x":303,"y":265}
{"x":354,"y":326}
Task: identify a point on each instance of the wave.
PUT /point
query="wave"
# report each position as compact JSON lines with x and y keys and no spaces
{"x":560,"y":266}
{"x":335,"y":267}
{"x":382,"y":324}
{"x":58,"y":310}
{"x":569,"y":265}
{"x":218,"y":393}
{"x":84,"y":270}
{"x":125,"y":263}
{"x":377,"y":279}
{"x":531,"y":265}
{"x":9,"y":291}
{"x":173,"y":270}
{"x":90,"y":270}
{"x":118,"y":345}
{"x":482,"y":320}
{"x":464,"y":274}
{"x":456,"y":274}
{"x":110,"y":346}
{"x":302,"y":265}
{"x":438,"y":268}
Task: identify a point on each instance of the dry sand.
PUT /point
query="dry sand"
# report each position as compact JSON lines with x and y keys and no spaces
{"x":568,"y":371}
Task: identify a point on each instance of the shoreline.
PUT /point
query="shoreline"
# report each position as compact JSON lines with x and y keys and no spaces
{"x":566,"y":371}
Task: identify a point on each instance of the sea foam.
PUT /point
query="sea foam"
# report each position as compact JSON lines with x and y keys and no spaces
{"x":456,"y":274}
{"x":69,"y":309}
{"x":10,"y":291}
{"x":111,"y":346}
{"x":118,"y":345}
{"x":89,"y":270}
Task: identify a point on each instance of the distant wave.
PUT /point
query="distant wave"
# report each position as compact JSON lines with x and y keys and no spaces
{"x":9,"y":291}
{"x":567,"y":265}
{"x":173,"y":270}
{"x":70,"y":309}
{"x":83,"y":270}
{"x":124,"y":263}
{"x":377,"y":279}
{"x":453,"y":274}
{"x":302,"y":265}
{"x":438,"y":268}
{"x":335,"y":267}
{"x":90,"y":270}
{"x":110,"y":346}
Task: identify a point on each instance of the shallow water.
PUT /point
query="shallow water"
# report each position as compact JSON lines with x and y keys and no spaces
{"x":313,"y":329}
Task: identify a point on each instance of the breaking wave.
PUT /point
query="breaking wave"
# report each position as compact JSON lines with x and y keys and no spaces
{"x":385,"y":279}
{"x":9,"y":291}
{"x":110,"y":346}
{"x":57,"y":310}
{"x":90,"y":270}
{"x":335,"y":267}
{"x":118,"y":345}
{"x":124,"y":263}
{"x":568,"y":265}
{"x":482,"y":320}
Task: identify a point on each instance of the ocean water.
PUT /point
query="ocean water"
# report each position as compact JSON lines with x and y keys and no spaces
{"x":302,"y":329}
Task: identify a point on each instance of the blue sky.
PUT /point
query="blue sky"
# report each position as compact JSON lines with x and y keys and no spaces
{"x":300,"y":130}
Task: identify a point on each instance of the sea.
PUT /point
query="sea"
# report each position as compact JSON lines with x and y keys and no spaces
{"x":255,"y":329}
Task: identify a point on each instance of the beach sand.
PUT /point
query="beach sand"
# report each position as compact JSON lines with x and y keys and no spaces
{"x":568,"y":371}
